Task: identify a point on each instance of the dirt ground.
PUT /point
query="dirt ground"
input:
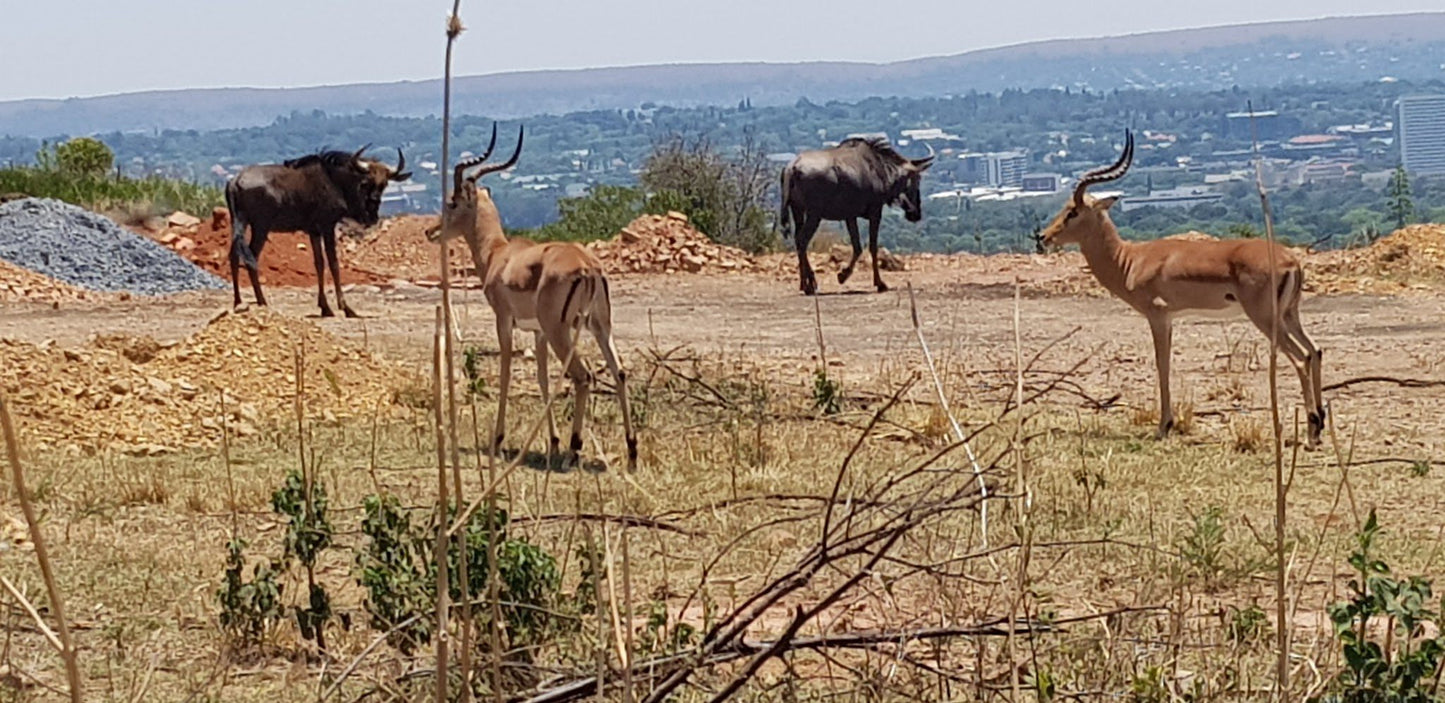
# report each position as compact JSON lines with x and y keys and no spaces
{"x":871,"y":336}
{"x":140,"y":540}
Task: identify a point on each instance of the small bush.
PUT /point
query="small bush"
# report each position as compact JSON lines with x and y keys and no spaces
{"x":397,"y":568}
{"x":250,"y":610}
{"x":827,"y":396}
{"x":1406,"y":666}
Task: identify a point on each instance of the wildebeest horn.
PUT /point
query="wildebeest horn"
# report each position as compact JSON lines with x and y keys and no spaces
{"x":465,"y":164}
{"x":1108,"y":173}
{"x":359,"y":152}
{"x":927,"y":160}
{"x":493,"y":168}
{"x":400,"y":173}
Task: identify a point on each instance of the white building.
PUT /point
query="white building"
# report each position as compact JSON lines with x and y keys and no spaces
{"x":1420,"y":128}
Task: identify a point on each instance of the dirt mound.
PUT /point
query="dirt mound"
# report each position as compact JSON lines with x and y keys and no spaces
{"x":1412,"y":258}
{"x":667,"y":244}
{"x":23,"y":285}
{"x":398,"y":248}
{"x":130,"y":394}
{"x":287,"y":260}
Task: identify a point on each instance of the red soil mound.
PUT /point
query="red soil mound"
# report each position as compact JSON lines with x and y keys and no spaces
{"x":287,"y":260}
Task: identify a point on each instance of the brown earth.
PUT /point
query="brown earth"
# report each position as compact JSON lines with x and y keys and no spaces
{"x":19,"y":284}
{"x":129,"y":392}
{"x":286,"y":261}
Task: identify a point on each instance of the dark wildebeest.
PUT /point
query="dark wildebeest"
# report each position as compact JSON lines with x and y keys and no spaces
{"x":852,"y":180}
{"x":311,"y":194}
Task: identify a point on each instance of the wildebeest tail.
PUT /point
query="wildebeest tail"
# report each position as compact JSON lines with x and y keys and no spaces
{"x":239,"y":248}
{"x":783,"y":222}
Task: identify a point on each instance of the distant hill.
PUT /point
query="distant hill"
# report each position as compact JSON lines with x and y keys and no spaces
{"x":1339,"y":50}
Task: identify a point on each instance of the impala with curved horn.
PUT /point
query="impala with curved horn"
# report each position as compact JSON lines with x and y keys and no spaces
{"x":311,"y":194}
{"x":852,"y":180}
{"x":1167,"y":278}
{"x":553,"y":290}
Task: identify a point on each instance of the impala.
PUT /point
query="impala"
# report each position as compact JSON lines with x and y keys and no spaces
{"x":1168,"y":278}
{"x":553,"y":290}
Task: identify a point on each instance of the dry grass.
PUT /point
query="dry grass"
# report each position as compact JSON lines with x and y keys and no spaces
{"x":730,"y":451}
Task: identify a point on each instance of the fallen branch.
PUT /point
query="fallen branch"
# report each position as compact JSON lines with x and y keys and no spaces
{"x":1401,"y":382}
{"x":863,"y":639}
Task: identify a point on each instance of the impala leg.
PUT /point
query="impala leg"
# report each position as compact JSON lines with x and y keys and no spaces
{"x":504,"y":379}
{"x":1314,"y":361}
{"x":318,"y":257}
{"x":1163,"y":330}
{"x":603,"y":333}
{"x":801,"y":239}
{"x":873,"y":222}
{"x":335,"y":264}
{"x":541,"y":351}
{"x":857,"y":241}
{"x":563,"y":342}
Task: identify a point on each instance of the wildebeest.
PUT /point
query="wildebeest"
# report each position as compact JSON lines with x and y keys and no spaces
{"x":311,"y":194}
{"x":852,"y":180}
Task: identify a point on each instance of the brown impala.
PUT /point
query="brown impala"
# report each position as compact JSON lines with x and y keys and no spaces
{"x":1168,"y":278}
{"x":552,"y":290}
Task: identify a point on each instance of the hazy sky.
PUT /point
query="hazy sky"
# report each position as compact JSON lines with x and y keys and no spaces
{"x":64,"y":48}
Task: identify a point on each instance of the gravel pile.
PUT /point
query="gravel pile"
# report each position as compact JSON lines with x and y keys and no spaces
{"x":87,"y":250}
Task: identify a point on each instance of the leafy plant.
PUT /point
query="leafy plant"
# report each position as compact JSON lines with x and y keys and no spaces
{"x":472,"y":369}
{"x":398,"y":570}
{"x":1247,"y":625}
{"x":1406,"y":666}
{"x":1203,"y":548}
{"x":250,"y":610}
{"x":827,"y":395}
{"x":307,"y":534}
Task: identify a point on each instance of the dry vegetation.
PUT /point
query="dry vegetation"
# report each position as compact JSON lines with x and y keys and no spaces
{"x":1133,"y":567}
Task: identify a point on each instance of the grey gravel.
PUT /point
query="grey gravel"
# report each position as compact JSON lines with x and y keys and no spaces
{"x":87,"y":250}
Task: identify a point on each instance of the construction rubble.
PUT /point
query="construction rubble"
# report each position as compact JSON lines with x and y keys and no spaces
{"x":132,"y":394}
{"x":667,"y":244}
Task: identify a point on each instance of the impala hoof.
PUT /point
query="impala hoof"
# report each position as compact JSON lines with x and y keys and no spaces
{"x":350,"y":313}
{"x":881,"y":286}
{"x":1163,"y":431}
{"x":326,"y":312}
{"x":843,"y":276}
{"x":576,"y":444}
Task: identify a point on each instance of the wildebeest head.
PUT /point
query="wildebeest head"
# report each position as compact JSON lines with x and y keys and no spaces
{"x":360,"y":181}
{"x":1083,"y":214}
{"x":907,"y":185}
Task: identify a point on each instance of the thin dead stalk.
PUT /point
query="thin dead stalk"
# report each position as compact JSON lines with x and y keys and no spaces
{"x":1282,"y":628}
{"x":42,"y":554}
{"x":958,"y":434}
{"x":443,"y":585}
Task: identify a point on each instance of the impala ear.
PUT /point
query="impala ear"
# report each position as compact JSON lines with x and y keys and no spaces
{"x":1103,"y":204}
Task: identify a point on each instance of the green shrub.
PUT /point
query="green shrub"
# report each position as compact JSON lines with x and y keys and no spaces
{"x":1406,"y":666}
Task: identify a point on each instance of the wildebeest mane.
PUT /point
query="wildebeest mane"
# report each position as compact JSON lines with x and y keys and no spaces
{"x":879,"y":144}
{"x":328,"y":159}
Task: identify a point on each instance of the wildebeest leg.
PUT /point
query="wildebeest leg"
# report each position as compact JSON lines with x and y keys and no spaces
{"x":240,"y":228}
{"x":318,"y":258}
{"x":847,"y":271}
{"x":802,"y":238}
{"x":873,"y":222}
{"x":258,"y":242}
{"x":335,"y":263}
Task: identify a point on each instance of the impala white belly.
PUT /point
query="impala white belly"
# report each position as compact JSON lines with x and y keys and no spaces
{"x":1230,"y":312}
